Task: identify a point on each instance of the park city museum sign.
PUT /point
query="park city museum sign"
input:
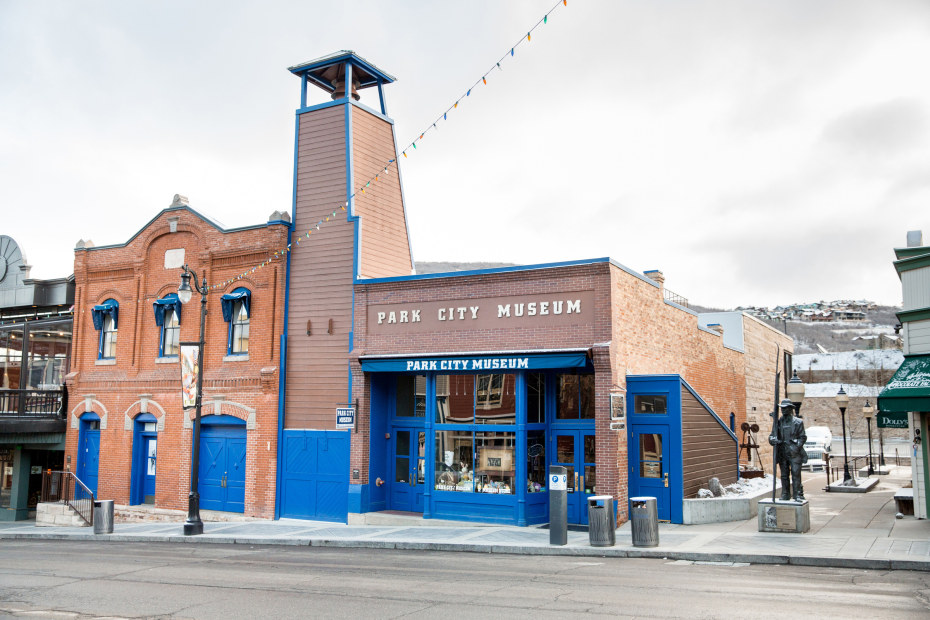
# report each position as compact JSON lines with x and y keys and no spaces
{"x":546,"y":310}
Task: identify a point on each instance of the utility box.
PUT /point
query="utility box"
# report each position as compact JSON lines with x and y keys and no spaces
{"x":644,"y":521}
{"x":103,"y":516}
{"x":602,"y":521}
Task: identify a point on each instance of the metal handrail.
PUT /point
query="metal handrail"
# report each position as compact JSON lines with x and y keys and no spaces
{"x":66,"y":488}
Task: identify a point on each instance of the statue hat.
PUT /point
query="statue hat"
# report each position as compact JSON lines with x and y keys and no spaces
{"x":785,"y":403}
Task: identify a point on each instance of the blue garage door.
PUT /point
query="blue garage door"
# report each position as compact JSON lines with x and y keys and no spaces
{"x":315,"y":480}
{"x":222,"y":464}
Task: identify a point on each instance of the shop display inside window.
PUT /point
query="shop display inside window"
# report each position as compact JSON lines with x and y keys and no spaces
{"x":536,"y":462}
{"x":475,"y":462}
{"x":650,"y":403}
{"x":411,"y":396}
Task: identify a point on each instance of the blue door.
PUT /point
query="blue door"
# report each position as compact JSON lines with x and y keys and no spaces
{"x":649,"y":465}
{"x":574,"y":450}
{"x":150,"y":454}
{"x":89,"y":453}
{"x":221,"y":482}
{"x":408,"y":469}
{"x":315,"y":476}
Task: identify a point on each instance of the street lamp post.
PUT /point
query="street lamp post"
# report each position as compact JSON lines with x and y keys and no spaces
{"x":867,"y":411}
{"x":194,"y":525}
{"x":842,"y":401}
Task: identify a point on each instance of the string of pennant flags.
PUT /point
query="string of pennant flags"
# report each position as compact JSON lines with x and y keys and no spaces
{"x":412,"y":146}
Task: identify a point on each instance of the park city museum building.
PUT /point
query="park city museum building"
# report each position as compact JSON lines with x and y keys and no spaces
{"x":128,"y":438}
{"x":467,"y":386}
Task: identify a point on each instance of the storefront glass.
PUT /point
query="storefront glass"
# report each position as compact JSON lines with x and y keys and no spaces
{"x":411,"y":396}
{"x":48,"y":355}
{"x":535,"y":398}
{"x":536,"y":461}
{"x":575,"y":397}
{"x":11,"y":357}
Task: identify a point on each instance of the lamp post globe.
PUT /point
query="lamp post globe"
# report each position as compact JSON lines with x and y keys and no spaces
{"x":842,"y":401}
{"x":795,"y":392}
{"x":867,"y":412}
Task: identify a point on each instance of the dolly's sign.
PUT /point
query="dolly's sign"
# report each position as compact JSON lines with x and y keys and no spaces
{"x":557,"y":310}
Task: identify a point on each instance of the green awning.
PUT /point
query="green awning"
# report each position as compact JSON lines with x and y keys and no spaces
{"x":909,"y":388}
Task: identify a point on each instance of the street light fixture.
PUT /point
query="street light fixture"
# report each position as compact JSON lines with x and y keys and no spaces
{"x":194,"y":525}
{"x":795,"y":392}
{"x":867,"y":411}
{"x":842,"y":401}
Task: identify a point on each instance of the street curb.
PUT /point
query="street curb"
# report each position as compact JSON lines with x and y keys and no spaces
{"x":655,"y":553}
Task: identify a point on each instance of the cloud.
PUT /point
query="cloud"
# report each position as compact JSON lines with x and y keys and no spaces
{"x":884,"y":129}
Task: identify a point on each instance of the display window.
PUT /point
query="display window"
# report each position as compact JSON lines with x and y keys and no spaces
{"x":536,"y":462}
{"x":535,"y":398}
{"x":411,"y":396}
{"x":575,"y":397}
{"x":476,"y":399}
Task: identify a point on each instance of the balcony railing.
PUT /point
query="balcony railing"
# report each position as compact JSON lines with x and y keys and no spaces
{"x":33,"y":403}
{"x":675,"y":298}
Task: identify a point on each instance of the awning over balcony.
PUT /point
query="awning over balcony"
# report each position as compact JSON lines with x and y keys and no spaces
{"x":909,"y":388}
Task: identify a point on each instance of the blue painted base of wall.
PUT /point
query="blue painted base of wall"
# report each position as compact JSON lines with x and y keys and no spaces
{"x":315,"y":481}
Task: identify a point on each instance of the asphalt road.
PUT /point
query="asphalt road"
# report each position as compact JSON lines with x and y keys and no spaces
{"x":53,"y":579}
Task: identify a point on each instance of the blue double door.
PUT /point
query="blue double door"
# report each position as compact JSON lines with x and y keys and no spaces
{"x":574,"y":450}
{"x":221,"y":481}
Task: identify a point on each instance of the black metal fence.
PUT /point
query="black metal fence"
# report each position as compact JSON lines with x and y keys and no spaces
{"x":65,"y":488}
{"x":33,"y":403}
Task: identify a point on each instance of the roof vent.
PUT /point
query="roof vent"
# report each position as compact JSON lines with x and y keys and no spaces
{"x":914,"y":239}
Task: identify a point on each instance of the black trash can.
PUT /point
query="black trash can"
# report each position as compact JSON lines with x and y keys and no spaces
{"x":644,"y":521}
{"x":103,"y":516}
{"x":602,"y":521}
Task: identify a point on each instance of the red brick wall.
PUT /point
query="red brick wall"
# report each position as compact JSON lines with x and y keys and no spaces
{"x":135,"y":275}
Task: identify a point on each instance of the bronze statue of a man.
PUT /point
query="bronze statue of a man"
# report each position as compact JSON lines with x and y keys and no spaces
{"x":788,"y":439}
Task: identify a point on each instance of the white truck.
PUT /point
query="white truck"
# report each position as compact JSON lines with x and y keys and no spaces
{"x":819,"y":443}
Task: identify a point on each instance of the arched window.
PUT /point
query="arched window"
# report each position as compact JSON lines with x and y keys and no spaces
{"x":237,"y":308}
{"x":168,"y":318}
{"x":106,"y":321}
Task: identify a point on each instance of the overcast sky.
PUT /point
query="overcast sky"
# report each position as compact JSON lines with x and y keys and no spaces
{"x":758,"y":153}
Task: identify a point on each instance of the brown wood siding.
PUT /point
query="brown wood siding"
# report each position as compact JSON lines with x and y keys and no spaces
{"x":385,"y":247}
{"x":708,"y":451}
{"x":321,"y":276}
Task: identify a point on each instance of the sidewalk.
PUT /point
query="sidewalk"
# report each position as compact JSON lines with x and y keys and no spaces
{"x":847,"y":530}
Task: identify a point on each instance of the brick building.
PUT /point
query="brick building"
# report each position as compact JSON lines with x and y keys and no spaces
{"x":129,"y":438}
{"x":467,"y":386}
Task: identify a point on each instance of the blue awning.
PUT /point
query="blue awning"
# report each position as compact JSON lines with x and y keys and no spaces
{"x":229,"y":300}
{"x":164,"y":305}
{"x":111,"y":307}
{"x":477,"y":363}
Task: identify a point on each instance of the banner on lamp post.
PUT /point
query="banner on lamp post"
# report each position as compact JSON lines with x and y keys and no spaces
{"x":190,"y":352}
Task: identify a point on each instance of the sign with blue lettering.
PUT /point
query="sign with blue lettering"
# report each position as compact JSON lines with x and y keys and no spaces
{"x":345,"y":417}
{"x":558,"y":482}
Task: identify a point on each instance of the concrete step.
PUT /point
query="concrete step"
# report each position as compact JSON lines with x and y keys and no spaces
{"x":57,"y":514}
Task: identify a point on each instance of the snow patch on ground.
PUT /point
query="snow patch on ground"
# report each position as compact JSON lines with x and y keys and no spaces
{"x":744,"y":487}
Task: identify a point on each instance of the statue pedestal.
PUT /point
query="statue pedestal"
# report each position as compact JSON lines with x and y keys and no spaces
{"x":784,"y":516}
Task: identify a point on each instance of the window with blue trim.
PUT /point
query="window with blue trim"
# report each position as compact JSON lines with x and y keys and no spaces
{"x":168,"y":318}
{"x":106,"y":321}
{"x":237,"y":308}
